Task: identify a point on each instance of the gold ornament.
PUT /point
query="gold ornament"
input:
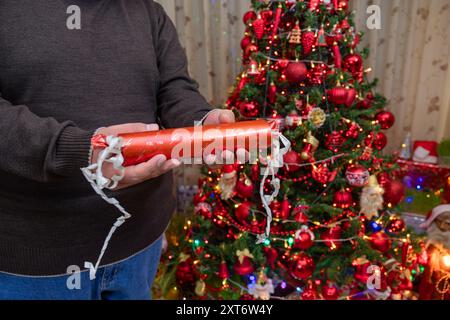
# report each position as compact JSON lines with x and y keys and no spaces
{"x":317,"y":117}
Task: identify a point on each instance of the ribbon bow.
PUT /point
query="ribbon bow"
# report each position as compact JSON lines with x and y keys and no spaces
{"x":242,"y":254}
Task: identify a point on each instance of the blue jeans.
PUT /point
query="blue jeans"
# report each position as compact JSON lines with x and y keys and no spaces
{"x":131,"y":279}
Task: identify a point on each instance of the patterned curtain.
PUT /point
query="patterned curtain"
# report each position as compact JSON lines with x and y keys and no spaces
{"x":410,"y":55}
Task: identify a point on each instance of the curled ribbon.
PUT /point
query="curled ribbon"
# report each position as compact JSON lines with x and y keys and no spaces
{"x":94,"y":174}
{"x":275,"y":162}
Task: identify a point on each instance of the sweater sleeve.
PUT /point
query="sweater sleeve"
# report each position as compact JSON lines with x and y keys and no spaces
{"x":40,"y":149}
{"x":179,"y":102}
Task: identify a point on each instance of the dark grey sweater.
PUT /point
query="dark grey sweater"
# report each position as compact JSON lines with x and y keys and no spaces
{"x":57,"y":86}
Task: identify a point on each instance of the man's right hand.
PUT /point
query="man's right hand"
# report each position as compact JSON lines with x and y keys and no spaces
{"x":135,"y":175}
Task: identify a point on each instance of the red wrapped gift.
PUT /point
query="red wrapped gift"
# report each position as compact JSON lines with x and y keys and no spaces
{"x":426,"y":152}
{"x":193,"y":143}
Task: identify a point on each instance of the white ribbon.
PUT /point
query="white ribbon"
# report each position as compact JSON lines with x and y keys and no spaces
{"x":276,"y":161}
{"x":94,"y":174}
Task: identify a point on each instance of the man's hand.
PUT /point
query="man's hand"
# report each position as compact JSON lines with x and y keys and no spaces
{"x":135,"y":175}
{"x":219,"y":116}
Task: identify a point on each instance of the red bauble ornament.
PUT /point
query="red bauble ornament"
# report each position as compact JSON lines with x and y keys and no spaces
{"x":244,"y":187}
{"x":245,"y":42}
{"x":204,"y":209}
{"x":343,"y":199}
{"x":394,"y":192}
{"x":248,"y":109}
{"x":185,"y":273}
{"x":243,"y":213}
{"x":377,"y":141}
{"x":223,"y":271}
{"x":245,"y":268}
{"x":386,"y":120}
{"x":322,"y":174}
{"x":353,"y":131}
{"x":351,"y":97}
{"x":292,"y":160}
{"x":357,"y":176}
{"x":267,"y":15}
{"x":381,"y":242}
{"x":296,"y":72}
{"x":338,"y":95}
{"x":335,"y":141}
{"x":303,"y":267}
{"x":249,"y":51}
{"x":310,"y":292}
{"x":308,"y":42}
{"x":258,"y":27}
{"x":299,"y":213}
{"x":304,"y":239}
{"x":249,"y":17}
{"x":293,"y":120}
{"x":353,"y":63}
{"x":330,"y":292}
{"x":331,"y":237}
{"x":396,"y":225}
{"x":317,"y":73}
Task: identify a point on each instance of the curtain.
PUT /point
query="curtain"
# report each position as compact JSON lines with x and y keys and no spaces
{"x":410,"y":55}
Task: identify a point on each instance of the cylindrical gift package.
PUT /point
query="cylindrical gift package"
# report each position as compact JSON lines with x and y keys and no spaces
{"x":186,"y":144}
{"x":193,"y":143}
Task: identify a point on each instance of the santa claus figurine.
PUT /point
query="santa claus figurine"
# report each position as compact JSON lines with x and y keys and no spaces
{"x":435,"y":283}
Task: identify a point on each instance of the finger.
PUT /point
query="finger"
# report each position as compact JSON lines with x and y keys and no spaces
{"x":152,"y":127}
{"x":226,"y":116}
{"x":219,"y":116}
{"x":144,"y":171}
{"x":227,"y":157}
{"x":243,"y":156}
{"x":169,"y":166}
{"x":132,"y":128}
{"x":210,"y":159}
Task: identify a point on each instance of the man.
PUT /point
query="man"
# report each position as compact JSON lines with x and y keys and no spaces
{"x":68,"y":68}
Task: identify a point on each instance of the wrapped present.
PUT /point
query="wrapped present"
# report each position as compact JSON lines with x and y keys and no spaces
{"x":185,"y":144}
{"x":196,"y":143}
{"x":426,"y":152}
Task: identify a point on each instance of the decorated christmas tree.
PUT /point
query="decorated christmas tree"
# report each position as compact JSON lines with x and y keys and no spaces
{"x":335,"y":233}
